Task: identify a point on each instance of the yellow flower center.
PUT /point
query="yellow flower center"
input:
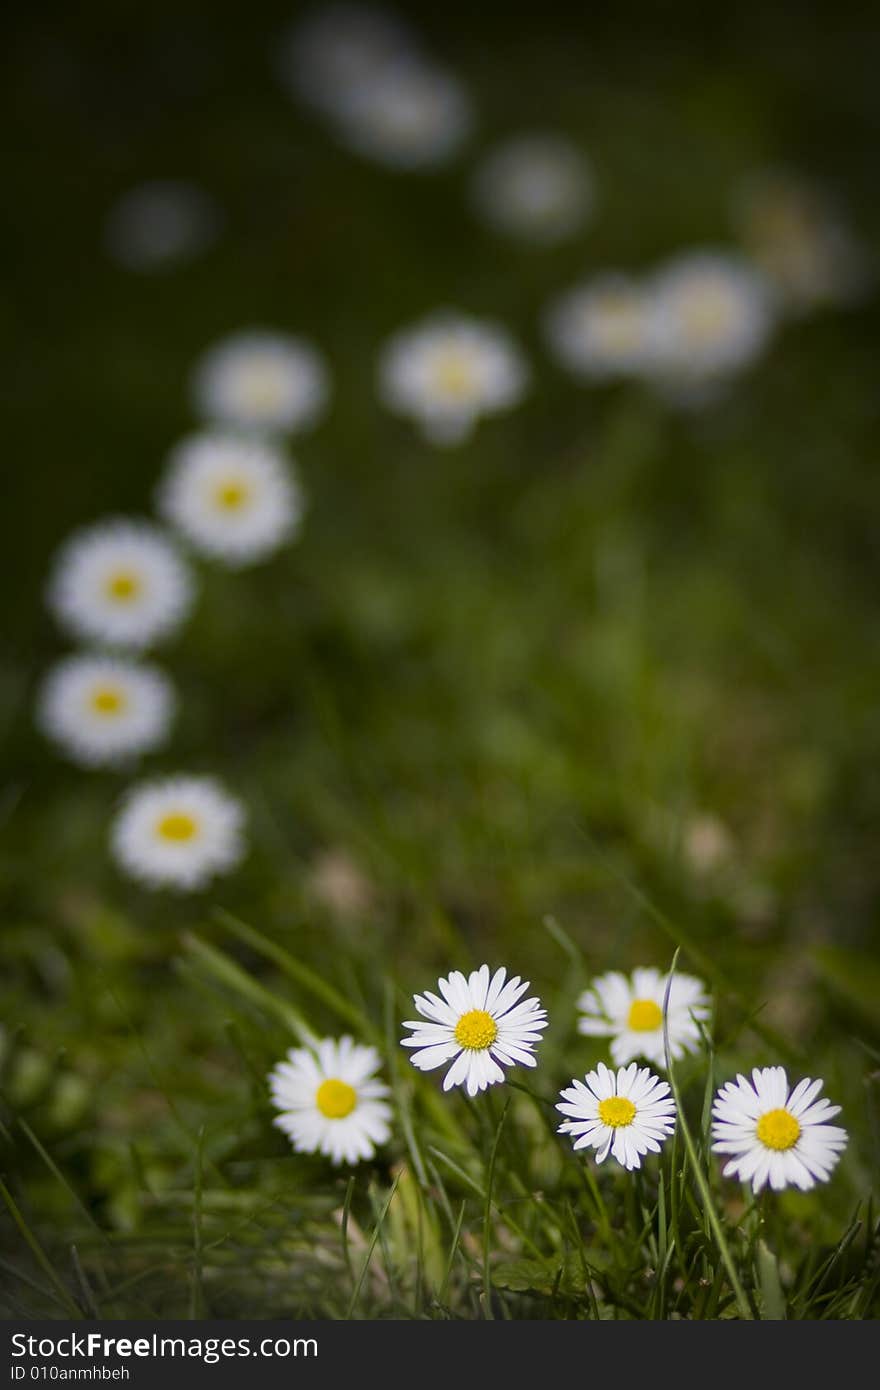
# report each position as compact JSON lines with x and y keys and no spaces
{"x":335,"y":1099}
{"x":707,"y":312}
{"x":453,"y":376}
{"x":778,"y":1129}
{"x":616,"y":1112}
{"x":123,"y":586}
{"x":232,"y":495}
{"x":618,"y":324}
{"x":177,"y":825}
{"x":108,"y":699}
{"x":644,"y":1016}
{"x":261,"y":388}
{"x":476,"y":1030}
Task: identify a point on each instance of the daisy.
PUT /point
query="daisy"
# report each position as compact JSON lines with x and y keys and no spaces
{"x":159,"y":225}
{"x":411,"y":115}
{"x":629,"y":1009}
{"x":626,"y":1114}
{"x":102,"y":710}
{"x":261,"y":381}
{"x":233,"y":498}
{"x":338,"y":47}
{"x":448,"y":371}
{"x":330,"y":1101}
{"x":538,"y":188}
{"x":776,"y":1135}
{"x":178,"y":832}
{"x":480,"y":1024}
{"x":603,"y":328}
{"x":121,"y":583}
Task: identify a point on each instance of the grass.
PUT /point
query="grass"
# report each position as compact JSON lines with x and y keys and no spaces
{"x":595,"y":688}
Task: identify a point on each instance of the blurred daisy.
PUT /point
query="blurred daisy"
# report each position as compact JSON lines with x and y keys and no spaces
{"x":338,"y":47}
{"x":232,"y":497}
{"x":603,"y":328}
{"x":261,"y":381}
{"x":538,"y":188}
{"x":776,"y":1135}
{"x":121,"y":583}
{"x":412,"y":115}
{"x":481,"y":1024}
{"x":625,"y":1114}
{"x":629,"y":1010}
{"x":330,"y":1101}
{"x":101,"y":710}
{"x":159,"y":225}
{"x":712,"y":314}
{"x":178,"y":832}
{"x":448,"y":371}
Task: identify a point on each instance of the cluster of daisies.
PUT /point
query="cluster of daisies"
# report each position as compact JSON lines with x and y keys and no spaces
{"x":479,"y":1025}
{"x":229,"y":494}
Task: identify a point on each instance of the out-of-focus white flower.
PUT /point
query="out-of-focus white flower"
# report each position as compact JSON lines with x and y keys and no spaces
{"x":330,"y":1100}
{"x":774,"y":1134}
{"x":629,"y":1010}
{"x":626,"y":1114}
{"x":448,"y":371}
{"x":603,"y":328}
{"x":160,"y":225}
{"x":121,"y":583}
{"x":412,"y":115}
{"x":538,"y":187}
{"x":102,"y":710}
{"x":801,"y":238}
{"x":178,"y":832}
{"x":337,"y":47}
{"x":234,"y":498}
{"x":261,"y":382}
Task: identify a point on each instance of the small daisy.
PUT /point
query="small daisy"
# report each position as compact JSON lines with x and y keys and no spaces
{"x":538,"y":188}
{"x":630,"y":1011}
{"x":101,"y":710}
{"x":337,"y":47}
{"x":261,"y":381}
{"x":448,"y":371}
{"x":626,"y":1114}
{"x":160,"y":225}
{"x":330,"y":1101}
{"x":776,"y":1135}
{"x":412,"y":115}
{"x":121,"y":583}
{"x":481,"y":1025}
{"x":178,"y":832}
{"x":232,"y":497}
{"x":603,"y":329}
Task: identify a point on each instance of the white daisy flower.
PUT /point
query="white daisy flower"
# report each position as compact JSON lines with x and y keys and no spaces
{"x":776,"y":1135}
{"x":178,"y":832}
{"x":629,"y":1010}
{"x":412,"y":115}
{"x":101,"y":710}
{"x":712,"y":314}
{"x":625,"y":1114}
{"x":232,"y":497}
{"x":448,"y":371}
{"x":538,"y":187}
{"x":338,"y":47}
{"x":262,"y":382}
{"x":121,"y":583}
{"x":603,"y":328}
{"x":481,"y":1024}
{"x":330,"y":1101}
{"x":159,"y":225}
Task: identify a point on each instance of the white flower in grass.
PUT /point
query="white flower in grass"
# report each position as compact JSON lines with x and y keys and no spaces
{"x":234,"y":498}
{"x":411,"y":115}
{"x":479,"y":1023}
{"x":603,"y":328}
{"x":121,"y":583}
{"x":625,"y":1114}
{"x":160,"y":225}
{"x":178,"y":832}
{"x":448,"y":371}
{"x":337,"y":47}
{"x":102,"y":710}
{"x":537,"y":187}
{"x":330,"y":1100}
{"x":776,"y":1135}
{"x":629,"y":1010}
{"x":263,"y":382}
